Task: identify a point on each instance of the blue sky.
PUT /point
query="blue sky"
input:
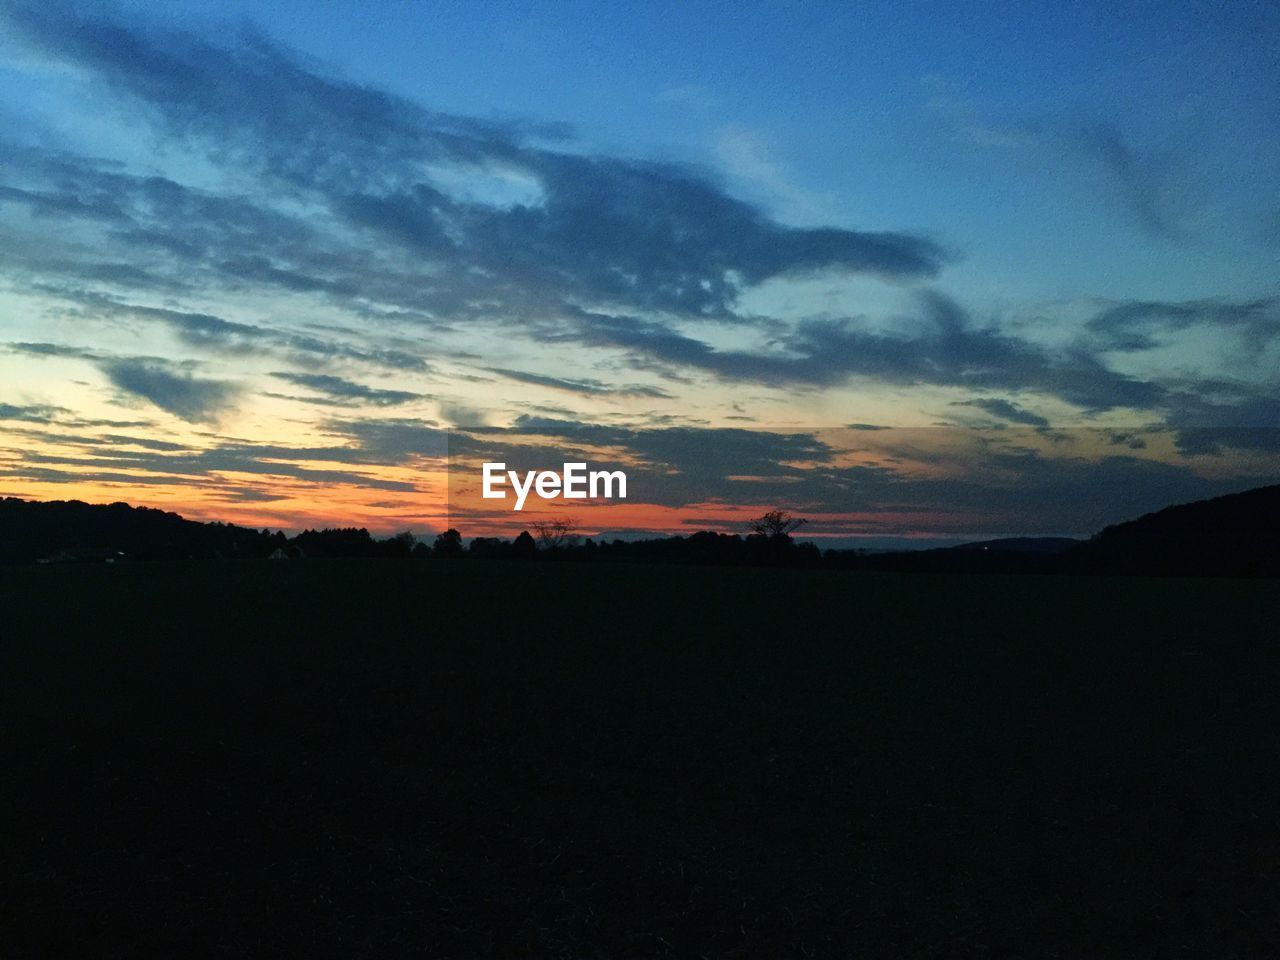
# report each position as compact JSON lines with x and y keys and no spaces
{"x":296,"y":227}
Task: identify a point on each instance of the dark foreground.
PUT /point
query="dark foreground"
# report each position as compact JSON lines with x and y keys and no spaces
{"x":371,"y":759}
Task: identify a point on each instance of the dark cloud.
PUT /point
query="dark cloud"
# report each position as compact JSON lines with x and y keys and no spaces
{"x":1128,"y":438}
{"x":1140,"y":324}
{"x":64,"y":203}
{"x":1200,"y":441}
{"x":1005,"y":410}
{"x":686,"y":448}
{"x":261,"y":270}
{"x":192,"y":399}
{"x":163,"y":462}
{"x":148,"y":443}
{"x":37,"y":413}
{"x":169,"y":386}
{"x":1238,"y":418}
{"x":949,"y":350}
{"x":584,"y":387}
{"x":337,"y":388}
{"x":91,"y":470}
{"x":41,"y":349}
{"x":392,"y":441}
{"x":633,"y":234}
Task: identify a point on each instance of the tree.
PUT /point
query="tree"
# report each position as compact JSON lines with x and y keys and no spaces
{"x":776,"y":525}
{"x":555,"y":534}
{"x":400,"y":545}
{"x":448,"y":544}
{"x":524,"y":545}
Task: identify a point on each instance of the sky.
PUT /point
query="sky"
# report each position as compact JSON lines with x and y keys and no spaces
{"x":913,"y":271}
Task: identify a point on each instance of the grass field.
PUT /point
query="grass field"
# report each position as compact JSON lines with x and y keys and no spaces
{"x":380,"y":759}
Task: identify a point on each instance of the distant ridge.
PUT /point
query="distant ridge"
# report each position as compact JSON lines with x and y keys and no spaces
{"x":1045,"y":545}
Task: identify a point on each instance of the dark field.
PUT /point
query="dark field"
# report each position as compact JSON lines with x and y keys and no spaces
{"x":380,"y":759}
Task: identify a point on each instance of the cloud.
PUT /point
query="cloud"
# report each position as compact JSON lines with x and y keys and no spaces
{"x":745,"y":154}
{"x":1141,"y":184}
{"x":169,"y":386}
{"x":191,"y":399}
{"x":56,"y":469}
{"x":314,"y":189}
{"x":1134,"y":325}
{"x":1005,"y":410}
{"x":37,"y":413}
{"x":61,"y":203}
{"x":215,"y":334}
{"x":41,"y":349}
{"x":1148,"y":189}
{"x":392,"y":441}
{"x":950,"y":350}
{"x":584,"y":387}
{"x":463,"y":415}
{"x":595,"y":230}
{"x":339,"y":389}
{"x":1239,"y":418}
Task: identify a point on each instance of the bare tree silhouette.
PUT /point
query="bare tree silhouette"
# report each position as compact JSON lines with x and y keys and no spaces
{"x":776,"y":525}
{"x":556,"y":533}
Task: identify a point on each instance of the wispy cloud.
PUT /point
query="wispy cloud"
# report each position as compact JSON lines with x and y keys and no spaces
{"x":1148,"y":188}
{"x":590,"y":388}
{"x":347,"y":391}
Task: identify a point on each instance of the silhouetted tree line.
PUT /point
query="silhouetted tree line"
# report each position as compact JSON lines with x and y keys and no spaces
{"x":1236,"y":535}
{"x":705,"y":547}
{"x":70,"y":531}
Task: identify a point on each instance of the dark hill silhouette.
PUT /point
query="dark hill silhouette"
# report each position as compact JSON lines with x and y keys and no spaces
{"x":1234,"y":535}
{"x":71,"y":530}
{"x":1237,"y":535}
